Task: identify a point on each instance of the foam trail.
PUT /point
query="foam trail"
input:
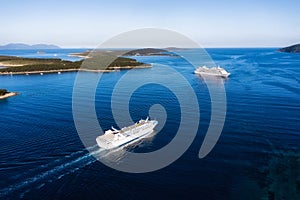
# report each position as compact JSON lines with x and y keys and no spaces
{"x":54,"y":173}
{"x":56,"y":162}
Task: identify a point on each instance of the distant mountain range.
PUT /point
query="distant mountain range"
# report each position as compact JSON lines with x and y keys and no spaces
{"x":27,"y":46}
{"x":291,"y":49}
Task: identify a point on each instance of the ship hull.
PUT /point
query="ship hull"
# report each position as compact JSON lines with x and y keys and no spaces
{"x":210,"y":74}
{"x":144,"y":131}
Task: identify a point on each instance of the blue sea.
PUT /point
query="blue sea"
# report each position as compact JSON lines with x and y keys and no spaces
{"x":43,"y":53}
{"x":256,"y":157}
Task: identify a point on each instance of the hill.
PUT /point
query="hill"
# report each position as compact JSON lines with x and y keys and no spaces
{"x":291,"y":49}
{"x":152,"y":52}
{"x":27,"y":46}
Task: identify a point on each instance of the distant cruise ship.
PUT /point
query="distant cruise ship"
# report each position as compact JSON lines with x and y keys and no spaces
{"x":214,"y":71}
{"x":115,"y":138}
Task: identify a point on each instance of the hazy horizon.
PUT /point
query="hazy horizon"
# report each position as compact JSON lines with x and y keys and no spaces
{"x":213,"y":24}
{"x":94,"y":47}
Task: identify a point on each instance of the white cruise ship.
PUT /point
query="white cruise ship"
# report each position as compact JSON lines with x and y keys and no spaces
{"x":213,"y":71}
{"x":115,"y":138}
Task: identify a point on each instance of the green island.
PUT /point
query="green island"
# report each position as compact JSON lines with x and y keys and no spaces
{"x":136,"y":52}
{"x":100,"y":61}
{"x":5,"y":94}
{"x":152,"y":52}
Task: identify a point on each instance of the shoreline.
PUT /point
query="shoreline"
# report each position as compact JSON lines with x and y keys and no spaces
{"x":7,"y":95}
{"x":4,"y":64}
{"x":115,"y":69}
{"x":78,"y":55}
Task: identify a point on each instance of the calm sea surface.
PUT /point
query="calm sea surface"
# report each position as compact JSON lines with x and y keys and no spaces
{"x":256,"y":157}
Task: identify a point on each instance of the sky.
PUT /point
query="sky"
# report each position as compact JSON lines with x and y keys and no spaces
{"x":211,"y":23}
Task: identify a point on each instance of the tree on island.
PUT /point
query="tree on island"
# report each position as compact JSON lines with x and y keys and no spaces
{"x":3,"y":91}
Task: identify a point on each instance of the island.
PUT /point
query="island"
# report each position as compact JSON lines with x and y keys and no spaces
{"x":98,"y":60}
{"x":130,"y":52}
{"x":151,"y":52}
{"x":5,"y":94}
{"x":291,"y":49}
{"x":94,"y":62}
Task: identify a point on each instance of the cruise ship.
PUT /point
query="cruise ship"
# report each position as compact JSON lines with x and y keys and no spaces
{"x":213,"y":71}
{"x":113,"y":138}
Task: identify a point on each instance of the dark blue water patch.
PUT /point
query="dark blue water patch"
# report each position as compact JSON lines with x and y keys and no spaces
{"x":141,"y":102}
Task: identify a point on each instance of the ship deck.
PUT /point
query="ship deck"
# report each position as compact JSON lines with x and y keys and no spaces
{"x":108,"y":137}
